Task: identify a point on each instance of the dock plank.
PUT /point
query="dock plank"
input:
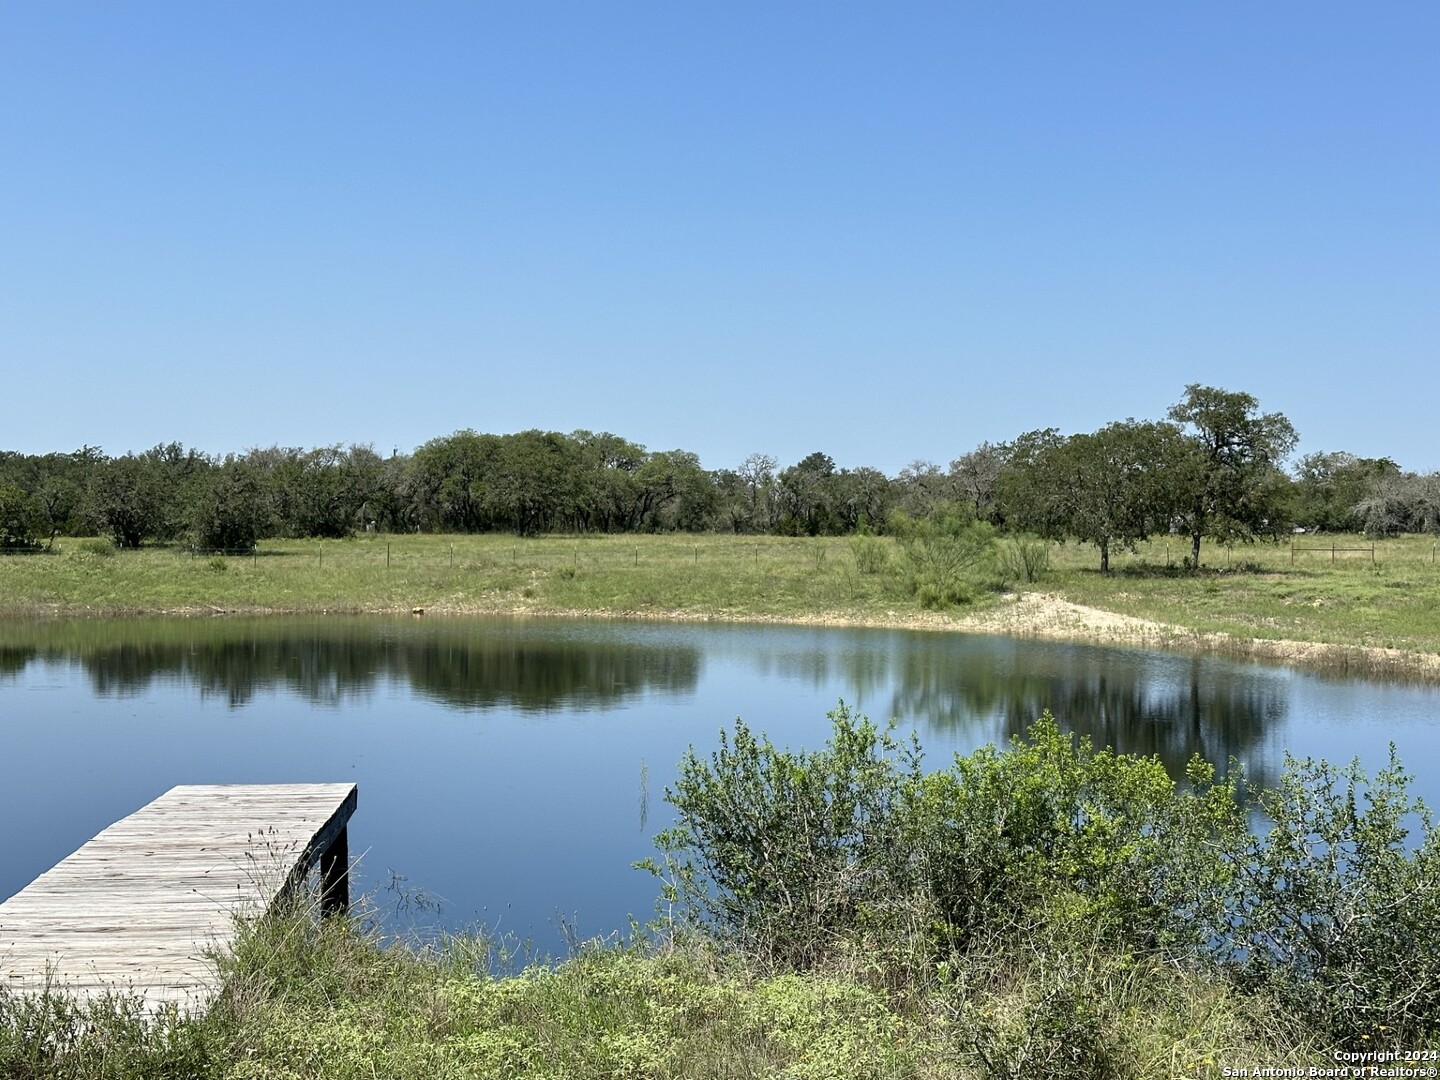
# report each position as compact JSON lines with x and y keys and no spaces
{"x":137,"y":908}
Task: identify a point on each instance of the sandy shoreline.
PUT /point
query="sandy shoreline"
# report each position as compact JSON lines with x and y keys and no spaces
{"x":1045,"y":615}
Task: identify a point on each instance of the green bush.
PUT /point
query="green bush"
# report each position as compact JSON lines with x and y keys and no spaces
{"x":1003,"y":832}
{"x":1336,"y":912}
{"x":945,"y":554}
{"x":1025,"y":558}
{"x":786,"y":851}
{"x":871,"y":554}
{"x":808,"y":859}
{"x":796,"y":853}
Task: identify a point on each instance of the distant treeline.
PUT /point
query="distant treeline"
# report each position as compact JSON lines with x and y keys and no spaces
{"x":1213,"y":468}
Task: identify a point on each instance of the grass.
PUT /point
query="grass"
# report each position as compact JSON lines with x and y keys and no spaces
{"x":706,"y":576}
{"x":312,"y":998}
{"x":1257,"y":591}
{"x":1389,"y":599}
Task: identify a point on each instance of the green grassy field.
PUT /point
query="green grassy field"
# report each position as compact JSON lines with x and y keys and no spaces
{"x":661,"y":575}
{"x":1342,"y":590}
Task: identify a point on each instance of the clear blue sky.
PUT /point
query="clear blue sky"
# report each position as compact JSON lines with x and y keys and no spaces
{"x":887,"y":231}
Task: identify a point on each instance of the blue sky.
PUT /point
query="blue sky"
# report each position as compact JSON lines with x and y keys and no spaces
{"x":885,"y":231}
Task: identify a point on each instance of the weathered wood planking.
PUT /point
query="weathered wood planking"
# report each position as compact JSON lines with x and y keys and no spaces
{"x":136,"y":908}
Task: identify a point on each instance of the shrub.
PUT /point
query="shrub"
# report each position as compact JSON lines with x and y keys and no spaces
{"x":871,"y":555}
{"x":796,"y":854}
{"x":1003,"y":832}
{"x":1335,"y":911}
{"x":811,"y":858}
{"x":785,"y":850}
{"x":95,"y":545}
{"x":944,"y":553}
{"x":1025,"y":558}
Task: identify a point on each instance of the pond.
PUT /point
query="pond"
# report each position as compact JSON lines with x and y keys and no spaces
{"x":513,"y":770}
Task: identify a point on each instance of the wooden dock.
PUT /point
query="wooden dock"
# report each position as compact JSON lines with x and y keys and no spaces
{"x":137,"y":908}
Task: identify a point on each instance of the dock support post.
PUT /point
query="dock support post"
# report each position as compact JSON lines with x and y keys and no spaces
{"x":335,"y":876}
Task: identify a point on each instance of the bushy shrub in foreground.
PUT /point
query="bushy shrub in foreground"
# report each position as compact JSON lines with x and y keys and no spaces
{"x":804,"y":857}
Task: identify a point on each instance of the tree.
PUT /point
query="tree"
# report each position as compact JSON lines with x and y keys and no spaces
{"x":125,"y":501}
{"x":608,"y":495}
{"x":923,"y":488}
{"x":675,"y":492}
{"x":1112,"y":488}
{"x":1118,"y":484}
{"x":1030,"y":489}
{"x":756,"y":476}
{"x":1401,"y":502}
{"x":1329,"y":487}
{"x":976,"y":477}
{"x":803,"y":495}
{"x":1231,"y":484}
{"x":535,"y":483}
{"x":21,"y":517}
{"x":449,"y":478}
{"x":233,"y":511}
{"x":174,"y":477}
{"x":858,"y":498}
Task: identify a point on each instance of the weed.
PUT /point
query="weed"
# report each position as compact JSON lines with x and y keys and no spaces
{"x":871,"y":554}
{"x":1025,"y":558}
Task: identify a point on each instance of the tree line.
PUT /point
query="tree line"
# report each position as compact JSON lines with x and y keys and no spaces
{"x":1213,"y":469}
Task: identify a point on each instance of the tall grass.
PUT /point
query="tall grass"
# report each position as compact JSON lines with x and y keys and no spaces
{"x":313,"y":998}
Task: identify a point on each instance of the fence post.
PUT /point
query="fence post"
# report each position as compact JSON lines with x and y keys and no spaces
{"x":1332,"y":552}
{"x":387,"y":556}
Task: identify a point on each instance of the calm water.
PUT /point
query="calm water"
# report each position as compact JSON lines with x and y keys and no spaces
{"x":515,"y":769}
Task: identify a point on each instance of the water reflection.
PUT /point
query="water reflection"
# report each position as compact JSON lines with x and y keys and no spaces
{"x":327,"y":662}
{"x":1135,"y":701}
{"x":949,"y":686}
{"x":1172,"y":707}
{"x":14,"y":659}
{"x":484,"y":776}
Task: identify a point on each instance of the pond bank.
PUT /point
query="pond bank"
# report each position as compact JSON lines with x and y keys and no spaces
{"x":1042,"y":615}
